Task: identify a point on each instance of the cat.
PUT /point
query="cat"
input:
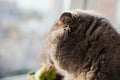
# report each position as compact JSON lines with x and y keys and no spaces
{"x":84,"y":46}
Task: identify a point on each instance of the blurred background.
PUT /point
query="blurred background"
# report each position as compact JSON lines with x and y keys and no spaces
{"x":24,"y":25}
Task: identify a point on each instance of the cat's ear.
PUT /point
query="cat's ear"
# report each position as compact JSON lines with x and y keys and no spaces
{"x":66,"y":17}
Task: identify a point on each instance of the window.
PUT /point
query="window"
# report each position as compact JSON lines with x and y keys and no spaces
{"x":24,"y":25}
{"x":108,"y":8}
{"x":117,"y":17}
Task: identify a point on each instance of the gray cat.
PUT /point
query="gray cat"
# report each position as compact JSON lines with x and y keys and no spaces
{"x":85,"y":47}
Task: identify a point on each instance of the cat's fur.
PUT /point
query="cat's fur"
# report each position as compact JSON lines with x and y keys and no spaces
{"x":85,"y":47}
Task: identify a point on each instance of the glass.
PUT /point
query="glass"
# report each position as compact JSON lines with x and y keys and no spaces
{"x":24,"y":24}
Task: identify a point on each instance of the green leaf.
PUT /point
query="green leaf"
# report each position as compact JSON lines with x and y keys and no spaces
{"x":42,"y":77}
{"x":51,"y":75}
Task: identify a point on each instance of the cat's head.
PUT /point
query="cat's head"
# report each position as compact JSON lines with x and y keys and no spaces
{"x":70,"y":33}
{"x":72,"y":24}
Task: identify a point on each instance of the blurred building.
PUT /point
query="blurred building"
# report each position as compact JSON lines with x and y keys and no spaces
{"x":22,"y":35}
{"x":8,"y":9}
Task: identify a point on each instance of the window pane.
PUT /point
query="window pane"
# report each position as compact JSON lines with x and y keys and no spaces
{"x":24,"y":25}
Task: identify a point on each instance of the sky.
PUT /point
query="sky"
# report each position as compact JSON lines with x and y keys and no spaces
{"x":33,"y":4}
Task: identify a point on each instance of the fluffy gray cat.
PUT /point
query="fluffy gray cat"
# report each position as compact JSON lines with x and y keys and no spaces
{"x":85,"y":47}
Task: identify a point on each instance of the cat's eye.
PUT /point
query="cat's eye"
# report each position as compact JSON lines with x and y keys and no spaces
{"x":65,"y":26}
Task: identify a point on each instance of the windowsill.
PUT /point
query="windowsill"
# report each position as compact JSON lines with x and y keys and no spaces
{"x":20,"y":77}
